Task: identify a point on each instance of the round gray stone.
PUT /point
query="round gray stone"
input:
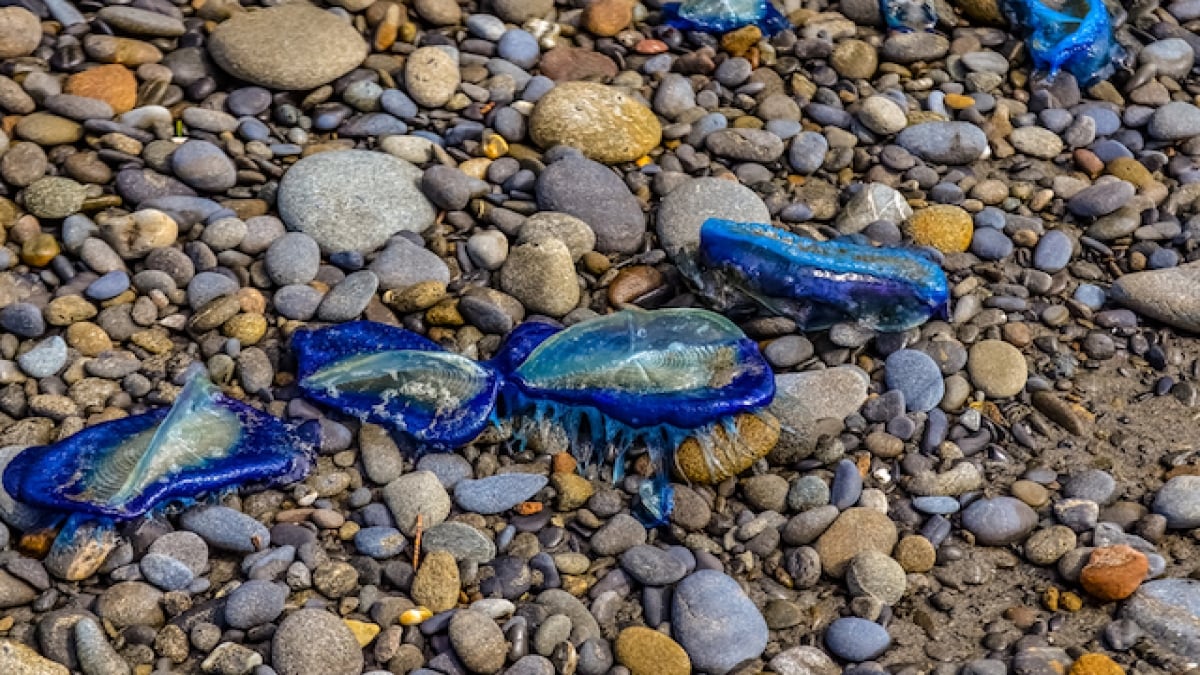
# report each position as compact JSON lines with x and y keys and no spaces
{"x":685,"y":209}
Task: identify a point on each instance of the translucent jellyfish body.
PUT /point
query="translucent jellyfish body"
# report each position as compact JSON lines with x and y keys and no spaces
{"x":431,"y":399}
{"x":721,"y":16}
{"x":204,"y":443}
{"x":907,"y":16}
{"x":649,"y":379}
{"x":816,"y":283}
{"x":1077,"y":38}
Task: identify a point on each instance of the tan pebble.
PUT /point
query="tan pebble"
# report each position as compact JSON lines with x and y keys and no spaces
{"x":246,"y":328}
{"x":645,"y":651}
{"x":1033,"y":494}
{"x":603,"y":122}
{"x":88,"y":338}
{"x":415,"y":298}
{"x":39,"y":250}
{"x":573,"y":490}
{"x":606,"y":18}
{"x":632,"y":283}
{"x":915,"y":553}
{"x":757,"y":435}
{"x":445,"y":313}
{"x":436,"y":583}
{"x":153,"y":340}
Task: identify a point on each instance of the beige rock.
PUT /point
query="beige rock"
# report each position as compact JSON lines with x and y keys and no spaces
{"x":603,"y":122}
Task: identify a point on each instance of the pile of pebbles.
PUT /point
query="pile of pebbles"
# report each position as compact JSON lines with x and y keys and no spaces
{"x":1013,"y":489}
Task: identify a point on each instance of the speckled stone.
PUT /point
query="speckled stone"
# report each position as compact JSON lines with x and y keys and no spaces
{"x":604,"y":123}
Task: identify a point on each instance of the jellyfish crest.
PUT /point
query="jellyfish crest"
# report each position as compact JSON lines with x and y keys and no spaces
{"x":520,"y":343}
{"x":721,"y":16}
{"x":678,"y":367}
{"x":123,"y":468}
{"x":820,"y":283}
{"x":907,"y":16}
{"x":430,"y":399}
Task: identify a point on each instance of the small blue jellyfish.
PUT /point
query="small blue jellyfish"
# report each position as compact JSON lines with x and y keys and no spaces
{"x":636,"y":378}
{"x":1078,"y":39}
{"x":722,"y":16}
{"x":907,"y":16}
{"x":429,"y":398}
{"x":205,"y":442}
{"x":817,"y":284}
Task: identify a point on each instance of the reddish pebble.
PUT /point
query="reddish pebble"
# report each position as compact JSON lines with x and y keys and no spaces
{"x":1114,"y":572}
{"x":650,"y":47}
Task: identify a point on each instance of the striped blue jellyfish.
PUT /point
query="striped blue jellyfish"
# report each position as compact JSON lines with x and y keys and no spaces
{"x":204,"y":444}
{"x":722,"y":16}
{"x":1077,"y":38}
{"x":816,"y":283}
{"x":636,"y":379}
{"x":429,"y":398}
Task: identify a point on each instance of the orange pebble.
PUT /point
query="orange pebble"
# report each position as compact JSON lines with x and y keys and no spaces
{"x":528,"y":508}
{"x":650,"y":47}
{"x":563,"y":462}
{"x":1114,"y":572}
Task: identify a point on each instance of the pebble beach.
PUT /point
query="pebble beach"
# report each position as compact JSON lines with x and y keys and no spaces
{"x":1014,"y":488}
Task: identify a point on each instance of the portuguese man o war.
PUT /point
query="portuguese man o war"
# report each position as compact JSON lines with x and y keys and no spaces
{"x":204,"y":443}
{"x":639,"y":378}
{"x":907,"y":16}
{"x":1078,"y":38}
{"x":635,"y":378}
{"x":817,"y":283}
{"x":722,"y":16}
{"x":430,"y":398}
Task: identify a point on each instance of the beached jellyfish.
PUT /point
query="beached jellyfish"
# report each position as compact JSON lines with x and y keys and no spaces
{"x":118,"y":470}
{"x":907,"y":16}
{"x":1077,"y":38}
{"x":721,"y":16}
{"x":636,"y":378}
{"x":816,"y":283}
{"x":429,"y":398}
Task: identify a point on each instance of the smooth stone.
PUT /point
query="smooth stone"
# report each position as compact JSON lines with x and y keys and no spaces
{"x":263,"y":47}
{"x":477,"y":641}
{"x":166,"y":572}
{"x":945,"y":142}
{"x":431,"y":76}
{"x":226,"y":529}
{"x":652,"y":566}
{"x":1167,"y":295}
{"x":1168,"y":610}
{"x":684,"y":209}
{"x":541,"y":275}
{"x":999,"y":521}
{"x":45,"y":359}
{"x":856,"y":640}
{"x":496,"y":494}
{"x":313,"y":640}
{"x":18,"y":659}
{"x":349,"y":298}
{"x":602,"y":122}
{"x":353,"y":200}
{"x":254,"y":603}
{"x":204,"y":166}
{"x":1179,"y":501}
{"x":997,"y":368}
{"x":404,"y":264}
{"x":716,"y":623}
{"x":801,"y":399}
{"x":1175,"y":121}
{"x":596,"y":195}
{"x":917,"y":376}
{"x":463,"y":541}
{"x":413,"y":494}
{"x":1101,"y":199}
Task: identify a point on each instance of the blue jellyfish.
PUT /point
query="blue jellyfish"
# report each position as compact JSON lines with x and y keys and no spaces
{"x":1079,"y":38}
{"x":816,"y":283}
{"x":906,"y":16}
{"x":204,"y":443}
{"x":429,"y":398}
{"x":636,"y":378}
{"x":722,"y":16}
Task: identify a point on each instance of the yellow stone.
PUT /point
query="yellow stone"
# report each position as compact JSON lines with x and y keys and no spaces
{"x":757,"y":435}
{"x":246,"y":328}
{"x":445,"y":313}
{"x":363,"y":631}
{"x":1096,"y":664}
{"x":1128,"y":168}
{"x":603,"y":122}
{"x":419,"y":296}
{"x":153,"y":340}
{"x":945,"y":227}
{"x":476,"y":167}
{"x":88,"y":338}
{"x":39,"y":250}
{"x":740,"y":41}
{"x":493,"y":144}
{"x":959,"y":101}
{"x":414,"y":616}
{"x":645,"y":651}
{"x":18,"y":659}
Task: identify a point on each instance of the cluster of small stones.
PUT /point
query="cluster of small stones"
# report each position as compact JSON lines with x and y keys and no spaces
{"x":1014,"y":489}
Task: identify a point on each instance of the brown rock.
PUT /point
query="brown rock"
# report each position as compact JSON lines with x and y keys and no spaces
{"x":125,"y":51}
{"x":854,"y":59}
{"x":88,"y":338}
{"x":645,"y":651}
{"x":757,"y":435}
{"x":48,"y":129}
{"x":568,"y":64}
{"x":632,"y":283}
{"x":1114,"y":572}
{"x":573,"y":490}
{"x":112,"y":83}
{"x":20,"y":32}
{"x":606,"y":18}
{"x":856,"y":530}
{"x":436,"y":584}
{"x":604,"y":123}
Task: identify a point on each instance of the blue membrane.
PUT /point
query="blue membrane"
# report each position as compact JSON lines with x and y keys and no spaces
{"x":431,"y":399}
{"x":907,"y":16}
{"x":817,"y":283}
{"x":722,"y":16}
{"x":204,"y":443}
{"x":1078,"y":39}
{"x":636,"y":378}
